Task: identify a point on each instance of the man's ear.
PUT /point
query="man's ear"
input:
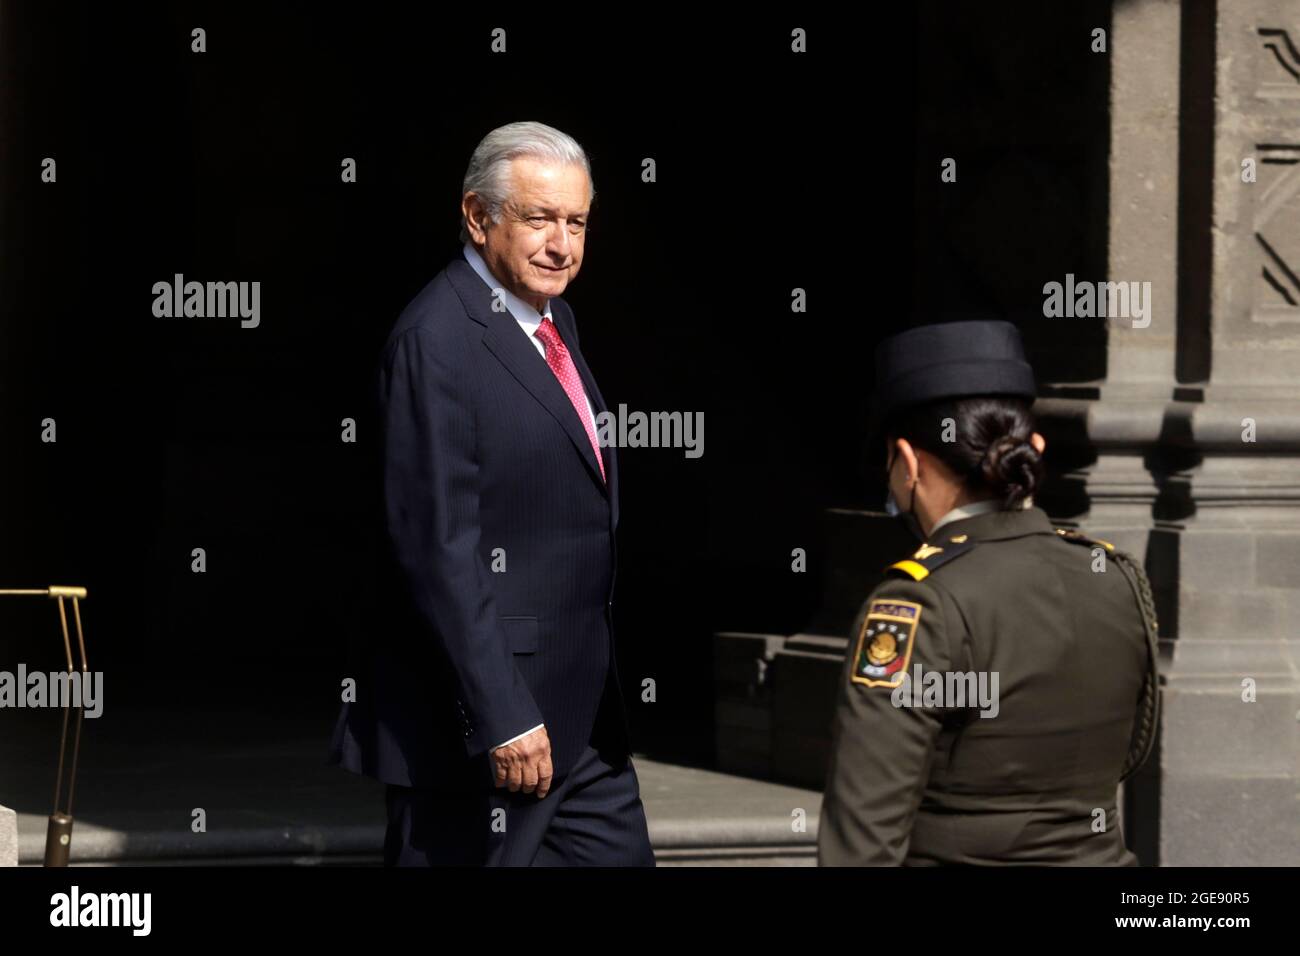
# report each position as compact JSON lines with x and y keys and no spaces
{"x":474,"y":210}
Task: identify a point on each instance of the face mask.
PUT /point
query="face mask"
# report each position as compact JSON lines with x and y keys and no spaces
{"x":909,"y":518}
{"x":891,"y":503}
{"x":891,"y":506}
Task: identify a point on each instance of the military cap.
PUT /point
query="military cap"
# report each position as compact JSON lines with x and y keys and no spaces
{"x":950,"y":360}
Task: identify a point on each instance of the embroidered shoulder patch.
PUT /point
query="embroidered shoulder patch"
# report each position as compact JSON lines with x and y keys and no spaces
{"x":884,"y":647}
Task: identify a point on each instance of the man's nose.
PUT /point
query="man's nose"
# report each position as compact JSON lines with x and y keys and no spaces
{"x":558,"y":242}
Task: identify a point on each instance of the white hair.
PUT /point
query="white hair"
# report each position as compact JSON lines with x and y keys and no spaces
{"x":488,"y":173}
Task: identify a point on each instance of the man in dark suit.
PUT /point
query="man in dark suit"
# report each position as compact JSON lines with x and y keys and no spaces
{"x":490,"y":704}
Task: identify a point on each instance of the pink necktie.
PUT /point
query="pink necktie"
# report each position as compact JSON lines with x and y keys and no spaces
{"x":557,"y":357}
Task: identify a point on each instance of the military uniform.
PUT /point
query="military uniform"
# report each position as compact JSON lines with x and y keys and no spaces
{"x":1073,"y":649}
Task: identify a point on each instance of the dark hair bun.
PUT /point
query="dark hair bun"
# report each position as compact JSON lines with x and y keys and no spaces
{"x":989,"y":449}
{"x":1012,"y":469}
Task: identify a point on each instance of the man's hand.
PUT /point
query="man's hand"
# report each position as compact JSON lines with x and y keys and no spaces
{"x":525,"y":764}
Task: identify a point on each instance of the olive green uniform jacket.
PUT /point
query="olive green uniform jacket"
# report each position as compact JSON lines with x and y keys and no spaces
{"x":1012,"y":602}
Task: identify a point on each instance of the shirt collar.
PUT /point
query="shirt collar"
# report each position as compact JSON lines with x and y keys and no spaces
{"x":994,"y":524}
{"x":966,"y":511}
{"x":528,"y":317}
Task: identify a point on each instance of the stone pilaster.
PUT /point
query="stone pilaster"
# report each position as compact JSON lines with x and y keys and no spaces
{"x":1195,"y":435}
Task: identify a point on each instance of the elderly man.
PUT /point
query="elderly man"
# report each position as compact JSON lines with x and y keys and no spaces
{"x":491,"y":707}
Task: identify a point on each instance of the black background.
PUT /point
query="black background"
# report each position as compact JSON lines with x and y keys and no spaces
{"x":775,"y":171}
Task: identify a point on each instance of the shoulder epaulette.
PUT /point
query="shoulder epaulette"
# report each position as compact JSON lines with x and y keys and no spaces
{"x":1078,"y":537}
{"x":929,"y":557}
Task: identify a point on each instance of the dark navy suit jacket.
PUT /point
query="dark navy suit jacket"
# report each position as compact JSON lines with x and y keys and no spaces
{"x":484,"y":461}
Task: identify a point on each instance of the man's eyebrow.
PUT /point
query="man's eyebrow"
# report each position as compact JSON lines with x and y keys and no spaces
{"x":551,"y":212}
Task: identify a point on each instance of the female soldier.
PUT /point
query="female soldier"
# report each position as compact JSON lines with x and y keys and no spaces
{"x":1001,"y":682}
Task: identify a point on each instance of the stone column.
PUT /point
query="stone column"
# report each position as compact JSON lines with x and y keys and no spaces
{"x":1196,"y":430}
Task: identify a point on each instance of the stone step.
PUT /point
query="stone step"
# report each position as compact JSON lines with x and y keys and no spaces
{"x":281,"y":804}
{"x":8,"y":837}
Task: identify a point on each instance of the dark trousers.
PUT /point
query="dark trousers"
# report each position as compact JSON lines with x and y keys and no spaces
{"x":593,"y":817}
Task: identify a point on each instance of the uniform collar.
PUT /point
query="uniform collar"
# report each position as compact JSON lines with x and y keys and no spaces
{"x":993,"y":525}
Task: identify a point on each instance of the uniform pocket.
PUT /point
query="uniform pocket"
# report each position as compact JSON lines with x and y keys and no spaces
{"x":521,"y":633}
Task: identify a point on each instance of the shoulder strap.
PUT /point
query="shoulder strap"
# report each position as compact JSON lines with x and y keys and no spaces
{"x":1148,"y":711}
{"x":1078,"y":537}
{"x":927,"y":558}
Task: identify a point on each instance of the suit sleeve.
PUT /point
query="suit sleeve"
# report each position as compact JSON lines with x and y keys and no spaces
{"x":881,"y":751}
{"x":431,"y":509}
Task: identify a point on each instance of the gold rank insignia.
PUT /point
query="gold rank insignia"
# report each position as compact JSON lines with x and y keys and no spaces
{"x":924,"y":551}
{"x":1069,"y":534}
{"x":884,"y":645}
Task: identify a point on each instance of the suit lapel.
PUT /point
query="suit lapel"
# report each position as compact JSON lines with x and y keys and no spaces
{"x":509,"y":344}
